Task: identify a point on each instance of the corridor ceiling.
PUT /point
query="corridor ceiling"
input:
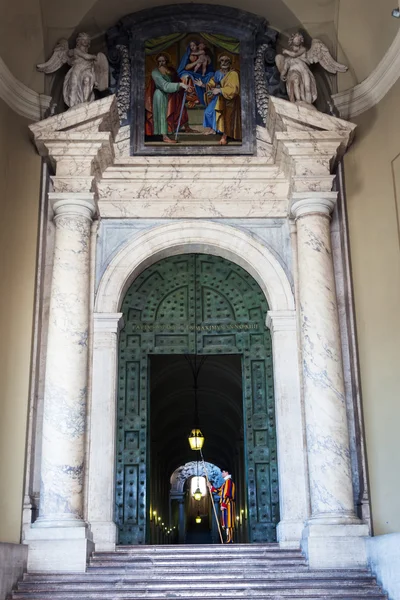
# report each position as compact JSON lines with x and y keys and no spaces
{"x":172,"y":409}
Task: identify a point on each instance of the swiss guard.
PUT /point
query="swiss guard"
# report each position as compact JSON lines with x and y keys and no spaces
{"x":227,"y":504}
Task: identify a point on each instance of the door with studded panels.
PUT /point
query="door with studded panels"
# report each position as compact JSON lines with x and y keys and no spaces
{"x":195,"y":304}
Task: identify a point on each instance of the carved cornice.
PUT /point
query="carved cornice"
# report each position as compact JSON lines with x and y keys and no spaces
{"x":79,"y":144}
{"x":307,"y":144}
{"x":19,"y":97}
{"x":369,"y":92}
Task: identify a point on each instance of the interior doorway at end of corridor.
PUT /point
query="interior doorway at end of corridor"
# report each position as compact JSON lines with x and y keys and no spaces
{"x":176,"y":471}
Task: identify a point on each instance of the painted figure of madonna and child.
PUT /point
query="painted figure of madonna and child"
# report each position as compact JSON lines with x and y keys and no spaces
{"x":192,"y":93}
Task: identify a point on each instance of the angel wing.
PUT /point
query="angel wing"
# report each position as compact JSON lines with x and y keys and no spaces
{"x":320,"y":53}
{"x":58,"y":58}
{"x":101,"y":72}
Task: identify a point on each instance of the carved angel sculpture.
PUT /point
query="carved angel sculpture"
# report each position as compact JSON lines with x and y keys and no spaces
{"x":294,"y":69}
{"x":88,"y":71}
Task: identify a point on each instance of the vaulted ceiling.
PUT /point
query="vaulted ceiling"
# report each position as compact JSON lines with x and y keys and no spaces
{"x":359,"y":31}
{"x":172,"y":409}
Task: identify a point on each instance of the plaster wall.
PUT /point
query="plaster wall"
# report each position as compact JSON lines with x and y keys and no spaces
{"x":21,"y":40}
{"x":19,"y":202}
{"x":372,"y":168}
{"x":365,"y":31}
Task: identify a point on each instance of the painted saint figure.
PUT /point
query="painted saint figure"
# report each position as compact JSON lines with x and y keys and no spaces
{"x":222,"y":97}
{"x":227,"y":493}
{"x":164,"y":98}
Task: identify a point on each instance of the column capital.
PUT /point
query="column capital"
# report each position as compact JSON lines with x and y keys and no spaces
{"x":281,"y":320}
{"x":309,"y":203}
{"x":73,"y":204}
{"x":108,"y":322}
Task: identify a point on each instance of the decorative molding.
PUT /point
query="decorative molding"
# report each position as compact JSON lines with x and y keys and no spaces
{"x":281,"y":320}
{"x":310,"y":203}
{"x":20,"y":98}
{"x":108,"y":322}
{"x":369,"y":92}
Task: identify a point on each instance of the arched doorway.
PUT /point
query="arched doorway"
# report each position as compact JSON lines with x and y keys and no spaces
{"x":195,"y":518}
{"x":195,"y":304}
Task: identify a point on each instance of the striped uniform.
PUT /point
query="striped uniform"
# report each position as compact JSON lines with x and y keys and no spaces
{"x":227,"y":504}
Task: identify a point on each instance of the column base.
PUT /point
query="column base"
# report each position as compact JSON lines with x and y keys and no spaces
{"x":289,"y":533}
{"x":58,"y":548}
{"x":335,"y":546}
{"x":104,"y":535}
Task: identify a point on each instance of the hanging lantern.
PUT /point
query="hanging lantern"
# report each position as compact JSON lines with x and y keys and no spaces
{"x":196,"y":439}
{"x":198,"y":518}
{"x":197,"y":484}
{"x":197,"y":494}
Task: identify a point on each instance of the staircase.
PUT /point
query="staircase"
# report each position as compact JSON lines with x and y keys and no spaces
{"x":205,"y":572}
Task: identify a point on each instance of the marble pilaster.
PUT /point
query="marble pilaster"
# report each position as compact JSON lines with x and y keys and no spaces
{"x":101,"y":481}
{"x":293,"y":497}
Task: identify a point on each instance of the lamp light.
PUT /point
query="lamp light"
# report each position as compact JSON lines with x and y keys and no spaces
{"x":197,"y":494}
{"x":196,"y":439}
{"x":198,"y":518}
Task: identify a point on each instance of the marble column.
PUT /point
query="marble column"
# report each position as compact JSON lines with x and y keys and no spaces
{"x":63,"y":442}
{"x":331,"y":490}
{"x":290,"y":429}
{"x":102,"y":448}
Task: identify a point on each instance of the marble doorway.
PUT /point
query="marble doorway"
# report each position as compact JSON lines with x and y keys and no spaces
{"x":195,"y":304}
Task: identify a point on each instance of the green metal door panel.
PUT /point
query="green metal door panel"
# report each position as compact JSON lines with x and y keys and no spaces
{"x":185,"y":305}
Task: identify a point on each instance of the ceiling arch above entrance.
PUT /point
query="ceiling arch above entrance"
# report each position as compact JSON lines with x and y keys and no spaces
{"x":184,"y":472}
{"x":194,"y":237}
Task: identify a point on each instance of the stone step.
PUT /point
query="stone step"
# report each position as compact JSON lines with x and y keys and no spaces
{"x":239,"y":572}
{"x":105,"y":576}
{"x":274,"y":547}
{"x":194,"y":583}
{"x":194,"y":555}
{"x":204,"y":571}
{"x":309,"y":594}
{"x":222,"y":564}
{"x":195,"y":551}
